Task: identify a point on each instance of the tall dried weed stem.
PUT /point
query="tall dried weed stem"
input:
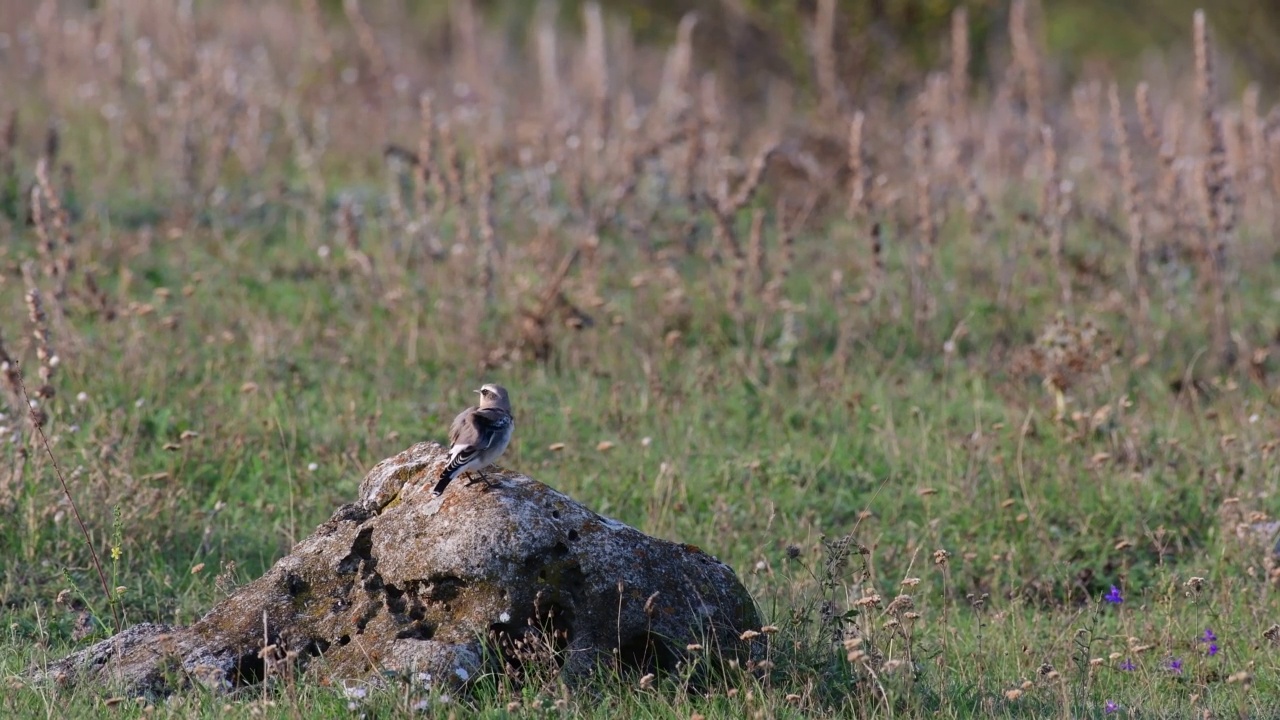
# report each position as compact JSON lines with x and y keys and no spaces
{"x":1133,"y":208}
{"x":1220,"y":197}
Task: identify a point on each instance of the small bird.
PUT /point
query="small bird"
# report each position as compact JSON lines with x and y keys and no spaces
{"x":479,"y":436}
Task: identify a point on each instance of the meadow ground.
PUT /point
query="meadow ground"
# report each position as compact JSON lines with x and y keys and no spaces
{"x":1004,"y":349}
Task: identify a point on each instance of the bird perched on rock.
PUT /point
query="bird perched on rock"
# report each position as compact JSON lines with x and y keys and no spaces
{"x":478,"y":436}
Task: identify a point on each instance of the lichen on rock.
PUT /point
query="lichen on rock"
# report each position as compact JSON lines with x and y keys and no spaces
{"x":403,"y":582}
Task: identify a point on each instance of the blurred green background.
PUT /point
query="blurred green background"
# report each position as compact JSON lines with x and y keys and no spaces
{"x":882,"y":44}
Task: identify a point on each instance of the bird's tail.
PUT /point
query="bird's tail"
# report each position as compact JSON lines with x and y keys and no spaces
{"x":451,"y":470}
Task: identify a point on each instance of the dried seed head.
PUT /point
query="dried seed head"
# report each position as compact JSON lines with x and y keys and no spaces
{"x":900,"y":604}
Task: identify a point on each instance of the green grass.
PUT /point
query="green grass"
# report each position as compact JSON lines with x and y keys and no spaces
{"x":248,"y":381}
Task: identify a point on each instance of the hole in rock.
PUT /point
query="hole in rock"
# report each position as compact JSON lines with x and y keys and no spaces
{"x":317,"y":647}
{"x":249,"y":669}
{"x":646,"y":653}
{"x":395,"y":599}
{"x":361,"y":553}
{"x":417,"y":631}
{"x":295,"y":585}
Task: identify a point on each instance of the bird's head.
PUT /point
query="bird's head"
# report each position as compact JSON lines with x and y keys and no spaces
{"x":494,"y":396}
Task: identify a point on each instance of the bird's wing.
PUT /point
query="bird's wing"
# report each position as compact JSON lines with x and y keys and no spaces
{"x":488,"y":425}
{"x":459,"y":425}
{"x":479,"y":428}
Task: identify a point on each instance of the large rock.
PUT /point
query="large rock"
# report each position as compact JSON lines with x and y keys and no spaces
{"x":405,"y":582}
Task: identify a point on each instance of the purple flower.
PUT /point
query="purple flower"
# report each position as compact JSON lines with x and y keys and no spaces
{"x":1127,"y":665}
{"x":1175,"y":665}
{"x":1114,"y":597}
{"x":1213,"y":649}
{"x":1208,"y":636}
{"x":1111,"y":707}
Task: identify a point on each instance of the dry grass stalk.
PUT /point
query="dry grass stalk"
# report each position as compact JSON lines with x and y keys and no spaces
{"x":672,"y":96}
{"x":926,"y":227}
{"x":755,"y":252}
{"x":490,"y":248}
{"x":693,"y":152}
{"x":9,"y":141}
{"x":45,"y":243}
{"x":870,"y":290}
{"x":785,"y":260}
{"x":858,"y":175}
{"x":535,"y":333}
{"x":318,"y":37}
{"x":597,"y":69}
{"x":466,"y":38}
{"x":428,"y":172}
{"x":1028,"y":62}
{"x":1147,"y":116}
{"x":824,"y":58}
{"x":450,"y":163}
{"x":724,"y":208}
{"x":1169,"y":185}
{"x":548,"y":68}
{"x":1273,"y":152}
{"x":426,"y":177}
{"x":145,"y":78}
{"x":569,"y":162}
{"x":1254,"y":148}
{"x":452,"y":170}
{"x":1221,"y":202}
{"x":727,"y":239}
{"x":1086,"y":105}
{"x":217,"y":88}
{"x":395,"y":202}
{"x":306,"y":151}
{"x":1165,"y":147}
{"x":12,"y":377}
{"x":1132,"y":196}
{"x":751,"y":181}
{"x":1052,"y":217}
{"x":878,"y":272}
{"x":369,"y":46}
{"x":713,"y":120}
{"x":47,"y":358}
{"x":349,"y":233}
{"x":58,"y":244}
{"x":959,"y":77}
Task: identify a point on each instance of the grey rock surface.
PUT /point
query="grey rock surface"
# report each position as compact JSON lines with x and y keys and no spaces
{"x":404,"y":582}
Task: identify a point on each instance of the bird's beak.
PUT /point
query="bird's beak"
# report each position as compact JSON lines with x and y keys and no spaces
{"x":478,"y":391}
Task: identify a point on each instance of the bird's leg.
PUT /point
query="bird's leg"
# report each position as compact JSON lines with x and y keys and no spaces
{"x":484,"y":477}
